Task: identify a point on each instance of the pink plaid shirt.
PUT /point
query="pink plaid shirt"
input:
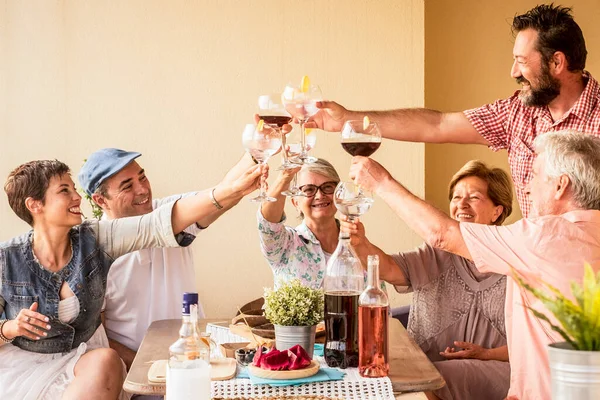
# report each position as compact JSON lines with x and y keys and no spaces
{"x":508,"y":124}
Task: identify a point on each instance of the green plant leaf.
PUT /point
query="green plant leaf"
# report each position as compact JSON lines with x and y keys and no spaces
{"x":579,"y":320}
{"x":293,"y":304}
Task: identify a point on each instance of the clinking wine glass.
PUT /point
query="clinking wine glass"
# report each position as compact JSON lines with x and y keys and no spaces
{"x":301,"y":103}
{"x":351,"y":201}
{"x":273,"y":112}
{"x":261,"y":141}
{"x":361,"y":138}
{"x":293,"y":149}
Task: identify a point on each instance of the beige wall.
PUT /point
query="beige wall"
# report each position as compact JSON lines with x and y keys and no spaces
{"x":177,"y":81}
{"x":468,"y":56}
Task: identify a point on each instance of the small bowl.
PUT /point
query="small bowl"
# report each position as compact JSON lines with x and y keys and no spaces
{"x":244,"y":357}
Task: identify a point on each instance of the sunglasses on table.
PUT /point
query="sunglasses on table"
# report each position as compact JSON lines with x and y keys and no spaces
{"x":325,"y":188}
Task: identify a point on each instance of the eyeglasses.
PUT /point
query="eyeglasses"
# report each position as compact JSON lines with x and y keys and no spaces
{"x":325,"y":188}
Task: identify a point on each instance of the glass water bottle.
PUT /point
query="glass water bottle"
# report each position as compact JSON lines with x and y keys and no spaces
{"x":188,"y":372}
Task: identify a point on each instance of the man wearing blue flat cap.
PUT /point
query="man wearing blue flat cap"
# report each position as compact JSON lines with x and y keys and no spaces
{"x":146,"y":285}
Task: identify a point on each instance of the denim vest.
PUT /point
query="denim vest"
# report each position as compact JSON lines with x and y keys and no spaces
{"x":24,"y":281}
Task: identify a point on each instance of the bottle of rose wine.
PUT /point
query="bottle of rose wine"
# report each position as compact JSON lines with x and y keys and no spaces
{"x":373,"y":317}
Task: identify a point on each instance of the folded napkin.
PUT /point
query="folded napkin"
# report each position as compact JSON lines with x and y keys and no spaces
{"x":319,"y":348}
{"x":324,"y":374}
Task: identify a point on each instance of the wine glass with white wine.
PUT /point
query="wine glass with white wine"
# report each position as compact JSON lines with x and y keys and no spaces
{"x":261,"y":141}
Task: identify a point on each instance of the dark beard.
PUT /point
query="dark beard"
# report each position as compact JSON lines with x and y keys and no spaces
{"x":548,"y":89}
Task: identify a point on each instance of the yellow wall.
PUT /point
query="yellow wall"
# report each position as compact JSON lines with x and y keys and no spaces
{"x":468,"y":56}
{"x":177,"y":81}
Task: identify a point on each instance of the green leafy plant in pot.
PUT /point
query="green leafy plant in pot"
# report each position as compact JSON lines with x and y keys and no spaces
{"x":294,"y":310}
{"x":574,"y":363}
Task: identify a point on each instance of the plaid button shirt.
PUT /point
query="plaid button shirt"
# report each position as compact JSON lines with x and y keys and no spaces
{"x":508,"y":124}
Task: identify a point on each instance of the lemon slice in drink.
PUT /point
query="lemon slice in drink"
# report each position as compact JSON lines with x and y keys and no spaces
{"x":259,"y":126}
{"x":305,"y":84}
{"x":307,"y":131}
{"x":366,"y":122}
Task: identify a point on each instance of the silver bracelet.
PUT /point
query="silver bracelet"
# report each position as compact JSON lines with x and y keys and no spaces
{"x":2,"y":337}
{"x":214,"y":201}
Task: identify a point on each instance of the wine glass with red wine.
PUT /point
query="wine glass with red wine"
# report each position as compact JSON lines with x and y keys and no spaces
{"x":272,"y":111}
{"x":361,"y":138}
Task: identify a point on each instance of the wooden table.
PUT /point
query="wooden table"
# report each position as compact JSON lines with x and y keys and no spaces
{"x":410,"y":369}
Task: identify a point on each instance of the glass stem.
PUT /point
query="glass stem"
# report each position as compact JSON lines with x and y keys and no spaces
{"x":294,"y":187}
{"x":345,"y":235}
{"x":283,"y":148}
{"x":303,"y":152}
{"x":263,"y":192}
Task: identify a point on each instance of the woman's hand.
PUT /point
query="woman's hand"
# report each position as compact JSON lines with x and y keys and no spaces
{"x":28,"y":323}
{"x":469,"y":350}
{"x":251,"y":179}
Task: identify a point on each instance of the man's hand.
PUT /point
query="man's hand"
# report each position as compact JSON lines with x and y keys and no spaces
{"x":469,"y":350}
{"x":356,"y":230}
{"x":28,"y":323}
{"x":368,"y":174}
{"x":331,"y":117}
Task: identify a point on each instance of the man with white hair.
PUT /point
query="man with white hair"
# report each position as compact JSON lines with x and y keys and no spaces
{"x":551,"y":246}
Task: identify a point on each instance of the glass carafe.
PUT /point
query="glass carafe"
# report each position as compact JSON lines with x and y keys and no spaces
{"x":343,"y":284}
{"x":373,"y":318}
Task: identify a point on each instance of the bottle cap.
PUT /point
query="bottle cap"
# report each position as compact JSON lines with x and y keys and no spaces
{"x":188,"y":299}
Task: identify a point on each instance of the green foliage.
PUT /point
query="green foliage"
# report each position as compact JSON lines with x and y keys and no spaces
{"x":96,"y":210}
{"x":579,"y":320}
{"x":293,"y":304}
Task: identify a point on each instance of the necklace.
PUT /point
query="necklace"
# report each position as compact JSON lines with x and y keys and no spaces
{"x":38,"y":261}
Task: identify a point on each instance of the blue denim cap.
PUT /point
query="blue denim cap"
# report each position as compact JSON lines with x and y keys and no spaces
{"x":103,"y":164}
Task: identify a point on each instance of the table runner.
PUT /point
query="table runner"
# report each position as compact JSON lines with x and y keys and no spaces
{"x":353,"y":387}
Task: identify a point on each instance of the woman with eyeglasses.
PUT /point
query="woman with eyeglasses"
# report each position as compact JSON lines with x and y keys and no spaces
{"x":301,"y":252}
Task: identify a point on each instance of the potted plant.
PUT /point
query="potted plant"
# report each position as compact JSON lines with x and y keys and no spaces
{"x":294,"y":310}
{"x":574,"y":363}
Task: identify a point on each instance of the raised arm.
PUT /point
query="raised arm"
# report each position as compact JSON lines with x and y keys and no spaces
{"x":202,"y":208}
{"x":222,"y":190}
{"x":273,"y":211}
{"x":406,"y":124}
{"x":432,"y":225}
{"x":389,"y":271}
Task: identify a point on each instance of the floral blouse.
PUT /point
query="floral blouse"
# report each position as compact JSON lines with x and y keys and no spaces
{"x":292,"y":252}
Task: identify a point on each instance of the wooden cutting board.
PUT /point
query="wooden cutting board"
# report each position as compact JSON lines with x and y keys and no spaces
{"x":221,"y":369}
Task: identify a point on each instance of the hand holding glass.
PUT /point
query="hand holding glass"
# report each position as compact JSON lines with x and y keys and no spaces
{"x":301,"y":103}
{"x":261,"y":142}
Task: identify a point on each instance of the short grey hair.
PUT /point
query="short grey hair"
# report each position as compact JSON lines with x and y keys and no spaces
{"x":322,"y":167}
{"x":576,"y":155}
